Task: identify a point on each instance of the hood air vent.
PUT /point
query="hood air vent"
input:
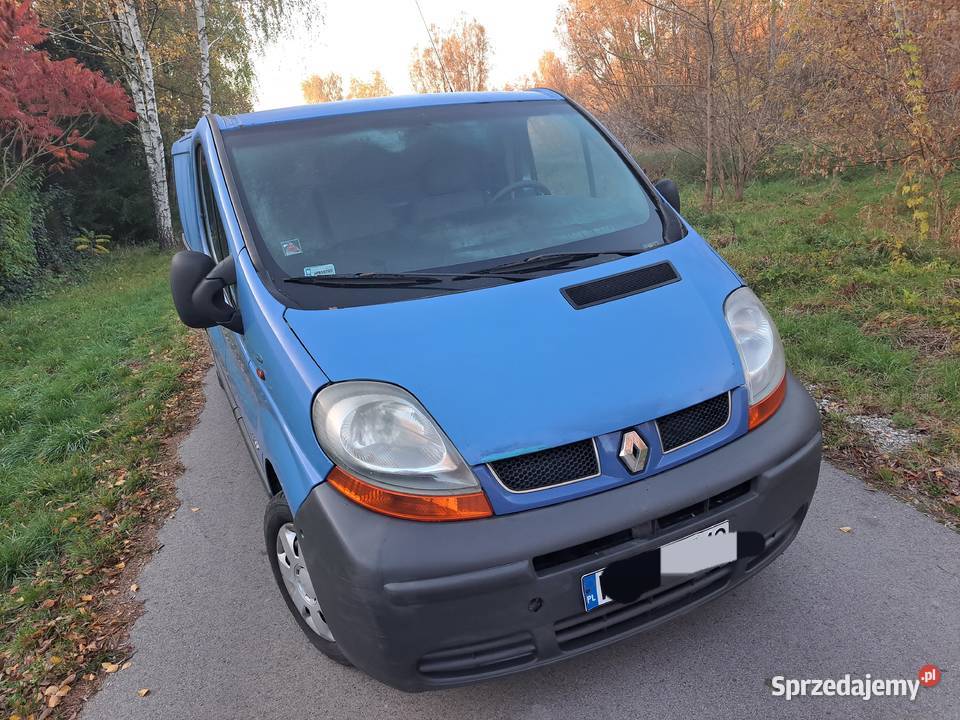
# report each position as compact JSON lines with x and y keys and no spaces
{"x":621,"y":285}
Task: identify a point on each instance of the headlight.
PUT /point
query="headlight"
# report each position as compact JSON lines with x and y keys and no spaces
{"x":761,"y":352}
{"x":379,"y":436}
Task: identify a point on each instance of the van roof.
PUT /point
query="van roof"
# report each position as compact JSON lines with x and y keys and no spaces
{"x":395,"y":102}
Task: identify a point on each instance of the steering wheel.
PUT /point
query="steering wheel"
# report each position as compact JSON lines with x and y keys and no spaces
{"x":514,"y":186}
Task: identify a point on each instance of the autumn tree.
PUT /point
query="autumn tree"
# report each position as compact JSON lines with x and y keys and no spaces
{"x":47,"y":106}
{"x":883,"y":86}
{"x":328,"y":88}
{"x":322,"y":88}
{"x":552,"y":72}
{"x":704,"y":75}
{"x":376,"y":86}
{"x":464,"y":63}
{"x":756,"y":74}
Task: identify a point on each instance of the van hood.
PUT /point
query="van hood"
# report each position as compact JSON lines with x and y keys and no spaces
{"x":515,"y":368}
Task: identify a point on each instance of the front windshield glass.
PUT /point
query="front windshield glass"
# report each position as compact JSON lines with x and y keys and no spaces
{"x":460,"y":186}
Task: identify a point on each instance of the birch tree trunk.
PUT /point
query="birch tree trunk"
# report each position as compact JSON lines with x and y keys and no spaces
{"x":138,"y":69}
{"x":203,"y":40}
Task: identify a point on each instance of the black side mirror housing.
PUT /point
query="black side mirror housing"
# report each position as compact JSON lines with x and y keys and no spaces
{"x":197,"y":286}
{"x":671,"y":193}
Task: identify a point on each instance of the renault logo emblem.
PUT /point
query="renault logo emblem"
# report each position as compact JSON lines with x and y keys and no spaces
{"x":633,"y":451}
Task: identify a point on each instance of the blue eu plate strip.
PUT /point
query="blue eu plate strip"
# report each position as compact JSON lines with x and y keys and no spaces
{"x":590,"y":584}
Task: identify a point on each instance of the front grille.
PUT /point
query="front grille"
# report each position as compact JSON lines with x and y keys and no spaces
{"x":479,"y":658}
{"x":692,"y":423}
{"x":546,"y":468}
{"x":614,"y":287}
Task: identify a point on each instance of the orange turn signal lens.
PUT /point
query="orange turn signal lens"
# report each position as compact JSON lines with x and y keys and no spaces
{"x":426,"y":508}
{"x":764,"y":410}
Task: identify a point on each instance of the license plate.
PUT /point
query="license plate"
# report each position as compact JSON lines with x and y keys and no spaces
{"x":592,"y":583}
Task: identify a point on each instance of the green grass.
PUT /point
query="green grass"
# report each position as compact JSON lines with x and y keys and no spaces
{"x":867,"y":312}
{"x":88,"y":366}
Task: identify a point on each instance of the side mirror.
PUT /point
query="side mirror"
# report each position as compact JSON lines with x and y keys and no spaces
{"x":671,"y":193}
{"x":197,"y":286}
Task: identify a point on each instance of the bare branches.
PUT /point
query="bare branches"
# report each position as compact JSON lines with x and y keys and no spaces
{"x":696,"y":72}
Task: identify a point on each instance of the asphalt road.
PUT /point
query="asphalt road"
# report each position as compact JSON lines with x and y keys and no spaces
{"x":215,"y":640}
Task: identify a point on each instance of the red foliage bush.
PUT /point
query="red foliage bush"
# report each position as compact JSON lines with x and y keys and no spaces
{"x":47,"y":106}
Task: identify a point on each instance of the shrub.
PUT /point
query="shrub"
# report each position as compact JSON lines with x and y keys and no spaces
{"x":36,"y":233}
{"x":659,"y":161}
{"x":55,"y":229}
{"x":19,"y":206}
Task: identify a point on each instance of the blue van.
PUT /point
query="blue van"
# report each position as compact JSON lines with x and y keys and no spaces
{"x":493,"y":383}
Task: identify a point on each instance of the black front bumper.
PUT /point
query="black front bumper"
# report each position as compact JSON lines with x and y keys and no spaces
{"x":429,"y":605}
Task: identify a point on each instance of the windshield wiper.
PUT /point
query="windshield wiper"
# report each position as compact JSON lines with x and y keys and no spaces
{"x":514,"y":272}
{"x":550,"y":260}
{"x":398,"y":279}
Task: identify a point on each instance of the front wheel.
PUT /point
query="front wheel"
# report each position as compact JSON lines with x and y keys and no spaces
{"x":290,"y":571}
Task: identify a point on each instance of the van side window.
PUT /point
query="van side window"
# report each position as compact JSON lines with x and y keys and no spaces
{"x":212,"y":223}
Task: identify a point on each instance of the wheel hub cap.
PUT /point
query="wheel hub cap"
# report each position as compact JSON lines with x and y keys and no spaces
{"x":297,"y":582}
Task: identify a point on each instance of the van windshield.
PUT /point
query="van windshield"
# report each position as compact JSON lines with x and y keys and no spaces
{"x":464,"y":186}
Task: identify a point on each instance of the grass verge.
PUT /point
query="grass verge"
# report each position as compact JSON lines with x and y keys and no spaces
{"x":869,"y":315}
{"x":98,"y":376}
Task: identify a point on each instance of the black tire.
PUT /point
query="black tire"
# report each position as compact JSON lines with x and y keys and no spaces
{"x":276,"y":516}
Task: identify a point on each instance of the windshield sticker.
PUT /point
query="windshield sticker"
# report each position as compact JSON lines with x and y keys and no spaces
{"x":313,"y":270}
{"x":291,"y":247}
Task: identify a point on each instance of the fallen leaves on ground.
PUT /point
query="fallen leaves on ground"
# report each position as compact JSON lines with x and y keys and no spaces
{"x":73,"y":614}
